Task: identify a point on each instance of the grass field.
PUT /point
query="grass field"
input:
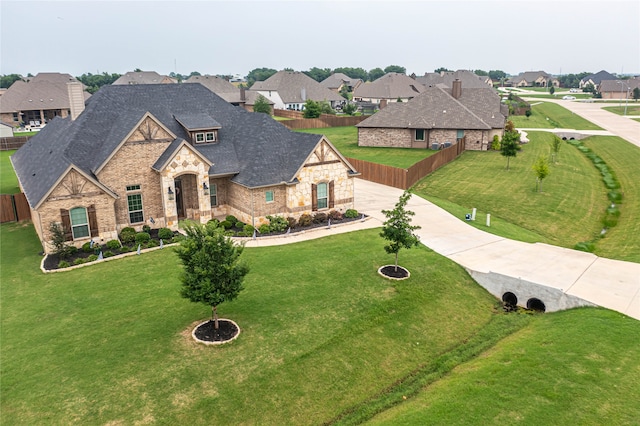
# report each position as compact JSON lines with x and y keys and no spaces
{"x":632,"y":109}
{"x":346,"y":140}
{"x":109,"y":344}
{"x":547,"y":115}
{"x":8,"y":179}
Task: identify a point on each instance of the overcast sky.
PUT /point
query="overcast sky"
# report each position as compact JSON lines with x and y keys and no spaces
{"x":235,"y":37}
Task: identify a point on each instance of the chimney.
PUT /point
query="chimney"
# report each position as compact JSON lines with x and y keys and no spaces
{"x":456,"y":90}
{"x":76,"y":98}
{"x":383,"y":103}
{"x":243,"y":95}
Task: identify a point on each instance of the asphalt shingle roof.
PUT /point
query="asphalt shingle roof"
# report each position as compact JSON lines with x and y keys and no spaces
{"x":44,"y":91}
{"x":390,"y":86}
{"x":259,"y":150}
{"x":296,"y":87}
{"x":435,"y":108}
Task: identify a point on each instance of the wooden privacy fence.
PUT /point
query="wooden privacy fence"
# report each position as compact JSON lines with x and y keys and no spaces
{"x":406,"y":178}
{"x":14,"y":208}
{"x":15,"y":142}
{"x":323,"y":121}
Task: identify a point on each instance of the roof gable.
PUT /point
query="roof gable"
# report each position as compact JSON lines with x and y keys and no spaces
{"x":296,"y":87}
{"x":390,"y":86}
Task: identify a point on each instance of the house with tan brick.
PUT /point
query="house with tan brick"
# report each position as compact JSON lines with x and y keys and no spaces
{"x":438,"y":117}
{"x":391,"y":87}
{"x":227,"y":91}
{"x":157,"y":154}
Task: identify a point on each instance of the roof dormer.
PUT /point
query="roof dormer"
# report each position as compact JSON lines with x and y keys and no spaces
{"x":202,"y":128}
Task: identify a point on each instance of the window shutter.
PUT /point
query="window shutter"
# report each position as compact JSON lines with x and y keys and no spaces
{"x":314,"y":197}
{"x":66,"y":224}
{"x":93,"y":220}
{"x":331,"y":202}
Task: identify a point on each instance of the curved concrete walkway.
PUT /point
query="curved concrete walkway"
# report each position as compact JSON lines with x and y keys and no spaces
{"x":567,"y":276}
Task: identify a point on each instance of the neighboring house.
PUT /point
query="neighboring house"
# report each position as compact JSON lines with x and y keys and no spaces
{"x":619,"y":89}
{"x":291,"y":89}
{"x":468,"y":78}
{"x":143,"y":77}
{"x":337,"y":81}
{"x":42,"y":98}
{"x":227,"y":91}
{"x":6,"y":131}
{"x":596,"y":79}
{"x":532,"y":79}
{"x":436,"y":118}
{"x":157,"y":154}
{"x":391,"y":87}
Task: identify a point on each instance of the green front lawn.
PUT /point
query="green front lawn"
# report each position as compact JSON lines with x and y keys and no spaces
{"x":8,"y":179}
{"x":568,"y":211}
{"x":346,"y":140}
{"x":547,"y":115}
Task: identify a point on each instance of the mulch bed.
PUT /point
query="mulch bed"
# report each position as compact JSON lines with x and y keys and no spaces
{"x":299,"y":228}
{"x":391,"y":272}
{"x":226,"y":331}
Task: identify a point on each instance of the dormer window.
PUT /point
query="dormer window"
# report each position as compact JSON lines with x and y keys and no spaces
{"x":205,"y":137}
{"x":201,"y":127}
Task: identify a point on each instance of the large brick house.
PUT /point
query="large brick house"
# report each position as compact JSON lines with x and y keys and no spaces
{"x":156,"y":154}
{"x":438,"y":117}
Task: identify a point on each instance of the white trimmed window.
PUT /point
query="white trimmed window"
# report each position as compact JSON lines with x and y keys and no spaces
{"x":199,"y":137}
{"x":323,"y":196}
{"x":134,"y":204}
{"x":79,"y":222}
{"x":210,"y":136}
{"x":419,"y":134}
{"x":269,"y":196}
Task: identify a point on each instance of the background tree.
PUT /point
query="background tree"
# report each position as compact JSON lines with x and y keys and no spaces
{"x":541,"y":169}
{"x":259,"y":74}
{"x":360,"y":73}
{"x":395,"y":68}
{"x":213,"y":272}
{"x":375,"y":74}
{"x":481,"y":73}
{"x":441,"y":69}
{"x":636,"y":94}
{"x":555,"y":148}
{"x":397,"y":229}
{"x":262,"y":105}
{"x":510,"y":142}
{"x":318,"y":74}
{"x":95,"y":81}
{"x":312,"y":109}
{"x":7,"y":80}
{"x":497,"y":74}
{"x":344,"y":92}
{"x":349,"y":108}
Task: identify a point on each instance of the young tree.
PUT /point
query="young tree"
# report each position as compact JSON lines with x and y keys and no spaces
{"x":552,"y":90}
{"x":555,"y":148}
{"x":213,"y":272}
{"x":262,"y":105}
{"x":510,"y":142}
{"x":349,"y":108}
{"x":541,"y":168}
{"x":635,"y":94}
{"x":312,"y":109}
{"x":397,"y":229}
{"x":528,"y":113}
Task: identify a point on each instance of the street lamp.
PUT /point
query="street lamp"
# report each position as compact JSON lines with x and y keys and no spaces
{"x":626,"y":102}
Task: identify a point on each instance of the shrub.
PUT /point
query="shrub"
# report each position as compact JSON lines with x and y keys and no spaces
{"x":177,"y":238}
{"x":93,"y":258}
{"x":264,"y":229}
{"x":277,"y":223}
{"x":319,"y":218}
{"x":247,"y":230}
{"x":79,"y":261}
{"x":239,"y":225}
{"x":142,"y":237}
{"x":351,"y":213}
{"x":292,"y":222}
{"x":226,"y":224}
{"x":107,"y":254}
{"x":152,"y":243}
{"x":335,"y":215}
{"x":495,"y":143}
{"x":146,"y":228}
{"x":587,"y":246}
{"x":215,"y":222}
{"x":165,"y":234}
{"x":113,"y":244}
{"x":305,"y":220}
{"x":127,"y":235}
{"x":86,"y":247}
{"x":615,"y":196}
{"x":232,"y":219}
{"x":63,"y":264}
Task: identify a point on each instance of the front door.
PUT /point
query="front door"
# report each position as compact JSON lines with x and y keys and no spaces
{"x":179,"y":203}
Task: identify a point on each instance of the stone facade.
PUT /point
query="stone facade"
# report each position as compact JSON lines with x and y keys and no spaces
{"x":475,"y":140}
{"x":384,"y":137}
{"x":74,"y":190}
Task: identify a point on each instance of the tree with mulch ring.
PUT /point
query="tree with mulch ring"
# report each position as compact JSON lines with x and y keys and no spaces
{"x":213,"y":274}
{"x":397,"y":229}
